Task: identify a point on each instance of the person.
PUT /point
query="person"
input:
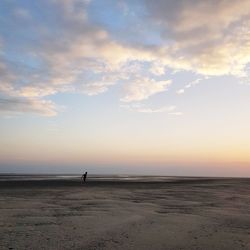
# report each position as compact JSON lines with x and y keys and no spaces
{"x":84,"y":176}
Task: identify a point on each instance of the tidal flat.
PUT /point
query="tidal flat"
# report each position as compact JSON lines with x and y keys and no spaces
{"x":125,"y":213}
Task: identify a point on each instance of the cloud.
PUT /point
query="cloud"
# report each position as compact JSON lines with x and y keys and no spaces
{"x":195,"y":82}
{"x":175,"y":113}
{"x":69,"y":52}
{"x":157,"y":68}
{"x":207,"y":37}
{"x":95,"y":88}
{"x":142,"y":108}
{"x":142,"y":89}
{"x":180,"y":91}
{"x":66,"y":59}
{"x":14,"y":106}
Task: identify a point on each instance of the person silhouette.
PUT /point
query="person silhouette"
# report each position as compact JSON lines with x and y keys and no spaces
{"x":84,"y":177}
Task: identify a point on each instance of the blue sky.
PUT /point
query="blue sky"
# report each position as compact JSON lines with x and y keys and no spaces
{"x":125,"y":86}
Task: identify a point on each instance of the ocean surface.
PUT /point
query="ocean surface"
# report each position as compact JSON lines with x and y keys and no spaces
{"x":40,"y":177}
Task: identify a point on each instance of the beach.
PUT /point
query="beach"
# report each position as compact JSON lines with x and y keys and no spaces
{"x":124,"y":213}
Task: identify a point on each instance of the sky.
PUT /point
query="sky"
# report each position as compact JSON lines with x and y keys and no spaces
{"x":125,"y":87}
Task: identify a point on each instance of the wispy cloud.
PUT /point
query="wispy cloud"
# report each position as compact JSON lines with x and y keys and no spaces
{"x":191,"y":84}
{"x":142,"y":89}
{"x":15,"y":106}
{"x":142,"y":108}
{"x":180,"y":91}
{"x":95,"y":88}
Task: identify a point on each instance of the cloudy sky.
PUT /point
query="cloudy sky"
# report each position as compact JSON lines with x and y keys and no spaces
{"x":120,"y":86}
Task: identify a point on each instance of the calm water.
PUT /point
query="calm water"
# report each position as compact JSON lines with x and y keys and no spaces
{"x":5,"y":177}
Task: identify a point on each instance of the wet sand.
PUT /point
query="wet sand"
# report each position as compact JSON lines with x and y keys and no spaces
{"x":183,"y":213}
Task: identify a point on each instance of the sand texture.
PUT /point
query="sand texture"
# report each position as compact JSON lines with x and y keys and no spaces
{"x":181,"y":214}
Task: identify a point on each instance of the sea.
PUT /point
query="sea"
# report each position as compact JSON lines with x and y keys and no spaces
{"x":92,"y":177}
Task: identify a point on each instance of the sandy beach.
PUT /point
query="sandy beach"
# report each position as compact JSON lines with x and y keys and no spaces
{"x":179,"y":213}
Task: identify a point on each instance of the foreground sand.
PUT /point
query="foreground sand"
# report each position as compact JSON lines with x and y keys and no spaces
{"x":184,"y":214}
